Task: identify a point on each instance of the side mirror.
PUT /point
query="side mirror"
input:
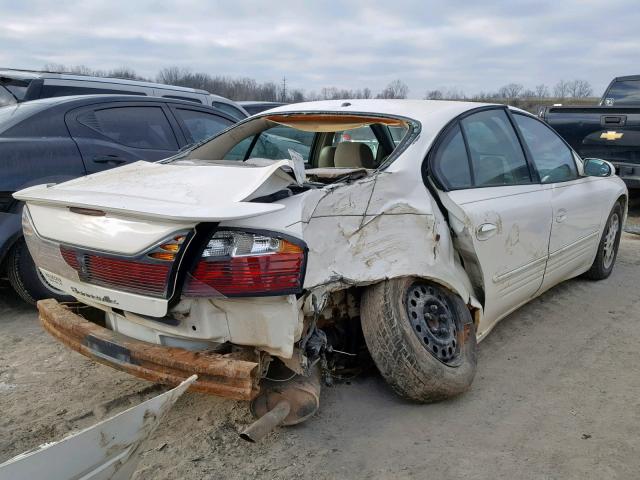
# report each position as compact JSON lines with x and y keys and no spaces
{"x":595,"y":167}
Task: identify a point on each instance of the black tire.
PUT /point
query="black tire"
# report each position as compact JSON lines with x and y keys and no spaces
{"x":25,"y":278}
{"x":606,"y":258}
{"x":406,"y":360}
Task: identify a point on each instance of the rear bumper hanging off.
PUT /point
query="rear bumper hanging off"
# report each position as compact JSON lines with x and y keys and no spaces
{"x":231,"y":376}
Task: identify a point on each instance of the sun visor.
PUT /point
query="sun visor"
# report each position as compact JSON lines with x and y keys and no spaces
{"x":331,"y":123}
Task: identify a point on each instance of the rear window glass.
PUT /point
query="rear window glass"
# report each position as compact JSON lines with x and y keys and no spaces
{"x":624,"y":92}
{"x":18,"y":88}
{"x":6,"y":97}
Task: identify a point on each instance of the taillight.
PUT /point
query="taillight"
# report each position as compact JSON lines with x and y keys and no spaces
{"x":243,"y":264}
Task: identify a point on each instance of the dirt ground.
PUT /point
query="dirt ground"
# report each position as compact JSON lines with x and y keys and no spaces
{"x":556,"y":397}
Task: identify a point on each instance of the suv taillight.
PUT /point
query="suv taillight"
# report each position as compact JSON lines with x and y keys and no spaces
{"x":235,"y":263}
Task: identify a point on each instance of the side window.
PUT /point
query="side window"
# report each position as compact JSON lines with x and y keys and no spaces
{"x":552,"y":157}
{"x":137,"y":127}
{"x":187,"y":99}
{"x":64,"y":90}
{"x":451,"y":163}
{"x":200,"y":125}
{"x":229,"y":110}
{"x":275,"y":143}
{"x":496,"y":155}
{"x":361,"y":135}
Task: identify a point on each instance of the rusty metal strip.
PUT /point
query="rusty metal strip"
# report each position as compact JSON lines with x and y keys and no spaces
{"x":222,"y":375}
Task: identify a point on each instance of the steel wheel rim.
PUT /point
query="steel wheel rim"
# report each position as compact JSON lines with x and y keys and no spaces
{"x":610,"y":240}
{"x":433,"y":321}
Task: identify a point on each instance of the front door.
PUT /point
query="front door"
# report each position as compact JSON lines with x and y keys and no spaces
{"x":499,"y":213}
{"x":579,"y":203}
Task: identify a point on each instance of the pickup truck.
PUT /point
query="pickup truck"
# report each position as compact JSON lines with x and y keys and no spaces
{"x":610,"y":130}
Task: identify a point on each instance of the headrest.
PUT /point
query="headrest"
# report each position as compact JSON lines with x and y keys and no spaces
{"x":327,"y":154}
{"x":353,"y":155}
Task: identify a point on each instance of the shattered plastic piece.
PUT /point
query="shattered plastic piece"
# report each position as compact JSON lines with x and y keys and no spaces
{"x":108,"y":450}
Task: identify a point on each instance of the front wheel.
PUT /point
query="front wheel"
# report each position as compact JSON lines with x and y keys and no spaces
{"x":421,"y":337}
{"x":26,"y":279}
{"x":608,"y":247}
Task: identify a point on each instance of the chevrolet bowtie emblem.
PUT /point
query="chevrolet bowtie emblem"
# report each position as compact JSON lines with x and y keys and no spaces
{"x":611,"y":135}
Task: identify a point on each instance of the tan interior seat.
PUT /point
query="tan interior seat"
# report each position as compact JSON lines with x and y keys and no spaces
{"x":326,"y":158}
{"x":353,"y":155}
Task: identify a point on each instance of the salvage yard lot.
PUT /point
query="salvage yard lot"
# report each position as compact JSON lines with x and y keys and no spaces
{"x":556,"y":396}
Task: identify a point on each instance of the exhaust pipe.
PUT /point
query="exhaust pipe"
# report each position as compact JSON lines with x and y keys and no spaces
{"x":283,"y":403}
{"x":270,"y":420}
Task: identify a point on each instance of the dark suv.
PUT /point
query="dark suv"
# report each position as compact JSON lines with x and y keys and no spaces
{"x":56,"y":139}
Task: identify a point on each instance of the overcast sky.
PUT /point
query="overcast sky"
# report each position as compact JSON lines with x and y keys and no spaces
{"x":351,"y":44}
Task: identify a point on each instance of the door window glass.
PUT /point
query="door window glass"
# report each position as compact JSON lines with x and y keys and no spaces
{"x":553,"y":159}
{"x":137,"y":127}
{"x":228,"y":109}
{"x":451,"y":162}
{"x":201,"y":125}
{"x":496,"y":155}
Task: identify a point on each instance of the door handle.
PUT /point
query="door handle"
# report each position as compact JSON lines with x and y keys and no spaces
{"x":486,"y":231}
{"x":109,"y":159}
{"x":613,"y":120}
{"x":561,"y":216}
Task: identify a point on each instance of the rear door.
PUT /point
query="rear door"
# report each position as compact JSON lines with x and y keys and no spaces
{"x":113,"y":134}
{"x":499,"y":214}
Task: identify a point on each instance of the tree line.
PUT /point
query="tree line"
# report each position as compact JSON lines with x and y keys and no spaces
{"x":245,"y":88}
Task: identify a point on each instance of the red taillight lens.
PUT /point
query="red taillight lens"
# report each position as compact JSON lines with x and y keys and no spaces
{"x":239,"y":263}
{"x":129,"y":275}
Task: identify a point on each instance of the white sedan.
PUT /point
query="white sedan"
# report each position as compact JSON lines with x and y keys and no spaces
{"x":422,"y":222}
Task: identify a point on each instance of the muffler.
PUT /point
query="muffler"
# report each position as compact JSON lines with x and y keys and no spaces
{"x":283,"y":403}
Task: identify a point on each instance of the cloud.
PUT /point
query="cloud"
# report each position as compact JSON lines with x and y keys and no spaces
{"x":344,"y":44}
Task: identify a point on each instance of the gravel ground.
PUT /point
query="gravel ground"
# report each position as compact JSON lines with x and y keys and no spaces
{"x":556,"y":397}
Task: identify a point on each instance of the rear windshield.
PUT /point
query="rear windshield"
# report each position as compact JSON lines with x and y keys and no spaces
{"x":18,"y":88}
{"x":623,"y":92}
{"x":6,"y":97}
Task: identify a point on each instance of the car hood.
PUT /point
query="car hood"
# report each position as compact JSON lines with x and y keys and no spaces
{"x":180,"y":191}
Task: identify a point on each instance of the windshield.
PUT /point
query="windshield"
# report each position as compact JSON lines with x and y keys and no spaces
{"x":623,"y":92}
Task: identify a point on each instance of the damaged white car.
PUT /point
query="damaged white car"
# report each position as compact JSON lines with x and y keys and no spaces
{"x":425,"y":222}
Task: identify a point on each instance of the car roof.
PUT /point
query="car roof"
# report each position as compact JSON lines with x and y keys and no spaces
{"x":35,"y":74}
{"x":427,"y":112}
{"x":81,"y":100}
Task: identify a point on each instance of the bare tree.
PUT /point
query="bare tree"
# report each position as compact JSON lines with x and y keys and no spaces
{"x":542,"y":91}
{"x":561,"y":89}
{"x":395,"y":89}
{"x":579,"y":88}
{"x":434,"y":95}
{"x":511,"y":91}
{"x":366,"y":93}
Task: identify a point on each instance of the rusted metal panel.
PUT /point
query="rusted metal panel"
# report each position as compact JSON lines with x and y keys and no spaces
{"x":231,"y":375}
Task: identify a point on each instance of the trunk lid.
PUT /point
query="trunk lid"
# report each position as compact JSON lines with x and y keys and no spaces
{"x":183,"y":191}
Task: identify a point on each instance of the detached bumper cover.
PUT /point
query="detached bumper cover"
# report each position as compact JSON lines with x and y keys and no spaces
{"x":231,"y":376}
